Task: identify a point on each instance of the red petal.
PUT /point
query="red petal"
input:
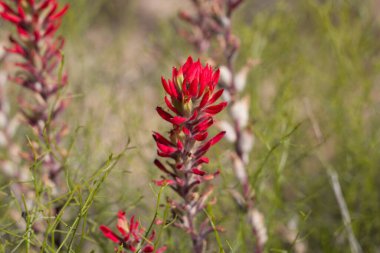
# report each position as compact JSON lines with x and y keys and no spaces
{"x":166,"y":149}
{"x":215,"y":78}
{"x":60,"y":13}
{"x":217,"y":138}
{"x":166,"y":86}
{"x":121,"y":215}
{"x":53,"y":9}
{"x":162,"y":154}
{"x":7,"y":8}
{"x":21,"y":12}
{"x":173,"y":88}
{"x":198,"y":172}
{"x":204,"y":124}
{"x":122,"y":220}
{"x":161,"y":139}
{"x":185,"y":130}
{"x":195,"y":114}
{"x":204,"y":100}
{"x":205,"y":79}
{"x":109,"y":234}
{"x":216,"y":96}
{"x":11,"y":17}
{"x":177,"y":120}
{"x":51,"y":30}
{"x":166,"y":116}
{"x":214,"y":109}
{"x":179,"y":145}
{"x":201,"y":136}
{"x":170,"y":105}
{"x":44,"y":4}
{"x":187,"y":64}
{"x":164,"y":182}
{"x":194,"y":88}
{"x":202,"y":160}
{"x":22,"y":31}
{"x":203,"y":149}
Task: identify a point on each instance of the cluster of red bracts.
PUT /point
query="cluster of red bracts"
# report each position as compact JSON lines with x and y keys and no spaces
{"x":191,"y":99}
{"x":132,"y":235}
{"x":31,"y":14}
{"x":40,"y":52}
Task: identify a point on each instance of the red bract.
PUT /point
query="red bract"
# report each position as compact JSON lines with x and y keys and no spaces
{"x":191,"y":100}
{"x":131,"y":235}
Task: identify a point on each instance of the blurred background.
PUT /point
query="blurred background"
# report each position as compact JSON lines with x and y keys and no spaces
{"x":315,"y":106}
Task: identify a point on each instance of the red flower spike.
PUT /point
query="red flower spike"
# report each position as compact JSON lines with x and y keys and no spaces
{"x":191,"y":97}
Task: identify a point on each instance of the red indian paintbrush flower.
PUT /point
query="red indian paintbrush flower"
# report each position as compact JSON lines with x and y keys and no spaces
{"x":38,"y":57}
{"x":131,"y":235}
{"x":191,"y":99}
{"x":39,"y":54}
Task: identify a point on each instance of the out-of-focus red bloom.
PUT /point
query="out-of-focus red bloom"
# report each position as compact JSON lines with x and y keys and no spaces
{"x":131,"y":236}
{"x":191,"y":99}
{"x":35,"y":43}
{"x":34,"y":19}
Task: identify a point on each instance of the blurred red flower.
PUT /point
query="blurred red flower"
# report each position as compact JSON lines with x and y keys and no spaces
{"x":131,"y":235}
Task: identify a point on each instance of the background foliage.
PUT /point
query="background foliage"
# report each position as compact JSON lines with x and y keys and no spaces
{"x":316,"y":55}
